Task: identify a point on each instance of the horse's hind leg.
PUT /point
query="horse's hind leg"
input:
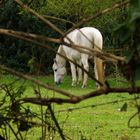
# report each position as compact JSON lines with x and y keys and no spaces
{"x":73,"y":72}
{"x":99,"y":71}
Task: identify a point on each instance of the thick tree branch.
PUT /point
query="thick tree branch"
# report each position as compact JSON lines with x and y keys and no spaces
{"x":77,"y":99}
{"x":33,"y":38}
{"x":28,"y":36}
{"x":74,"y":26}
{"x":70,"y":97}
{"x":50,"y":49}
{"x":39,"y":38}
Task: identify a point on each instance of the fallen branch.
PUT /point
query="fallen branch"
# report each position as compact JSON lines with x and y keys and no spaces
{"x":71,"y":98}
{"x":77,"y":99}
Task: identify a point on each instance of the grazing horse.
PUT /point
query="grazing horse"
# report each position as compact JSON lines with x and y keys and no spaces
{"x":88,"y":37}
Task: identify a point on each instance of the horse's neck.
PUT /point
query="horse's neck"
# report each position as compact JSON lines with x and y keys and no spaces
{"x":61,"y":59}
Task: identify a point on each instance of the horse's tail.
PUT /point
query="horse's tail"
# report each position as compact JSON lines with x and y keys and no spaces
{"x":99,"y":63}
{"x":99,"y":70}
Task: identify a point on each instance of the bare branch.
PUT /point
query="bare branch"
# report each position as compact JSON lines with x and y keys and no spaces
{"x":28,"y":36}
{"x":1,"y":1}
{"x":39,"y":16}
{"x":34,"y":37}
{"x":114,"y":59}
{"x":71,"y":98}
{"x":31,"y":37}
{"x":77,"y":99}
{"x":83,"y":21}
{"x":27,"y":77}
{"x":59,"y":19}
{"x":25,"y":36}
{"x":38,"y":40}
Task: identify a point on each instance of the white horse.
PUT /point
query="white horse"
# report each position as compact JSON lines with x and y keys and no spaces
{"x":88,"y":37}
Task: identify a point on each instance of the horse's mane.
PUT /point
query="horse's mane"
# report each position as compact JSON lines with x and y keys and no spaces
{"x":60,"y":58}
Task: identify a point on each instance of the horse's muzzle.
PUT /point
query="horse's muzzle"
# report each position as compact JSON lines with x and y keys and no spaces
{"x":58,"y":82}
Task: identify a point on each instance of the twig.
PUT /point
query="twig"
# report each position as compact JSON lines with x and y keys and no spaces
{"x":132,"y":117}
{"x":94,"y":105}
{"x":74,"y":27}
{"x":12,"y":130}
{"x":39,"y":16}
{"x":83,"y":21}
{"x":33,"y":38}
{"x":58,"y":19}
{"x":56,"y":122}
{"x":26,"y":77}
{"x":38,"y":38}
{"x":28,"y":36}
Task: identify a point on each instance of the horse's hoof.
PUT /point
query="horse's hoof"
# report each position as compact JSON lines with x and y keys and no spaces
{"x":73,"y":84}
{"x":79,"y":82}
{"x":83,"y":86}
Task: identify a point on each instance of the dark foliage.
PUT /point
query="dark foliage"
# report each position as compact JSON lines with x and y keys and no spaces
{"x":128,"y":34}
{"x":18,"y":54}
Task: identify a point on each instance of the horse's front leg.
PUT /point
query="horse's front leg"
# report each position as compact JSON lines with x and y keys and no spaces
{"x":79,"y":71}
{"x":73,"y":72}
{"x":86,"y":67}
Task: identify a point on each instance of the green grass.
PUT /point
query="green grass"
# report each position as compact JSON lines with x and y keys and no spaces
{"x":92,"y":119}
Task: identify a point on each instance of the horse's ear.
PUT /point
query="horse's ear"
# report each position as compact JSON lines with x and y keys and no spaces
{"x":55,"y":60}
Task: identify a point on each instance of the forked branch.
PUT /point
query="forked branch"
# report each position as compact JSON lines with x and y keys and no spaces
{"x":69,"y":97}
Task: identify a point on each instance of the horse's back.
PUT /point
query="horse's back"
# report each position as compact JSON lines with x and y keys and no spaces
{"x":92,"y":35}
{"x":87,"y":36}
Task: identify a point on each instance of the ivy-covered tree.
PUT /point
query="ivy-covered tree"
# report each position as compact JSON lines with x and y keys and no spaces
{"x":128,"y":34}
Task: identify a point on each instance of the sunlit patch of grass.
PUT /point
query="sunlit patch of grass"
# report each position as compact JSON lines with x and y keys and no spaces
{"x":96,"y":118}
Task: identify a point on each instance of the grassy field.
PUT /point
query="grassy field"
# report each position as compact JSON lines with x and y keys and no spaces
{"x":93,"y":119}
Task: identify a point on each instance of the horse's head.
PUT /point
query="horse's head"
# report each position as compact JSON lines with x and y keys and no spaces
{"x":59,"y":72}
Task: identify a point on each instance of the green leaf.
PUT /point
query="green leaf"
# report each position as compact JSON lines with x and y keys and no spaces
{"x":15,"y":108}
{"x":124,"y":107}
{"x":135,"y":16}
{"x":2,"y":120}
{"x":24,"y":126}
{"x":128,"y":54}
{"x":20,"y":91}
{"x":123,"y":33}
